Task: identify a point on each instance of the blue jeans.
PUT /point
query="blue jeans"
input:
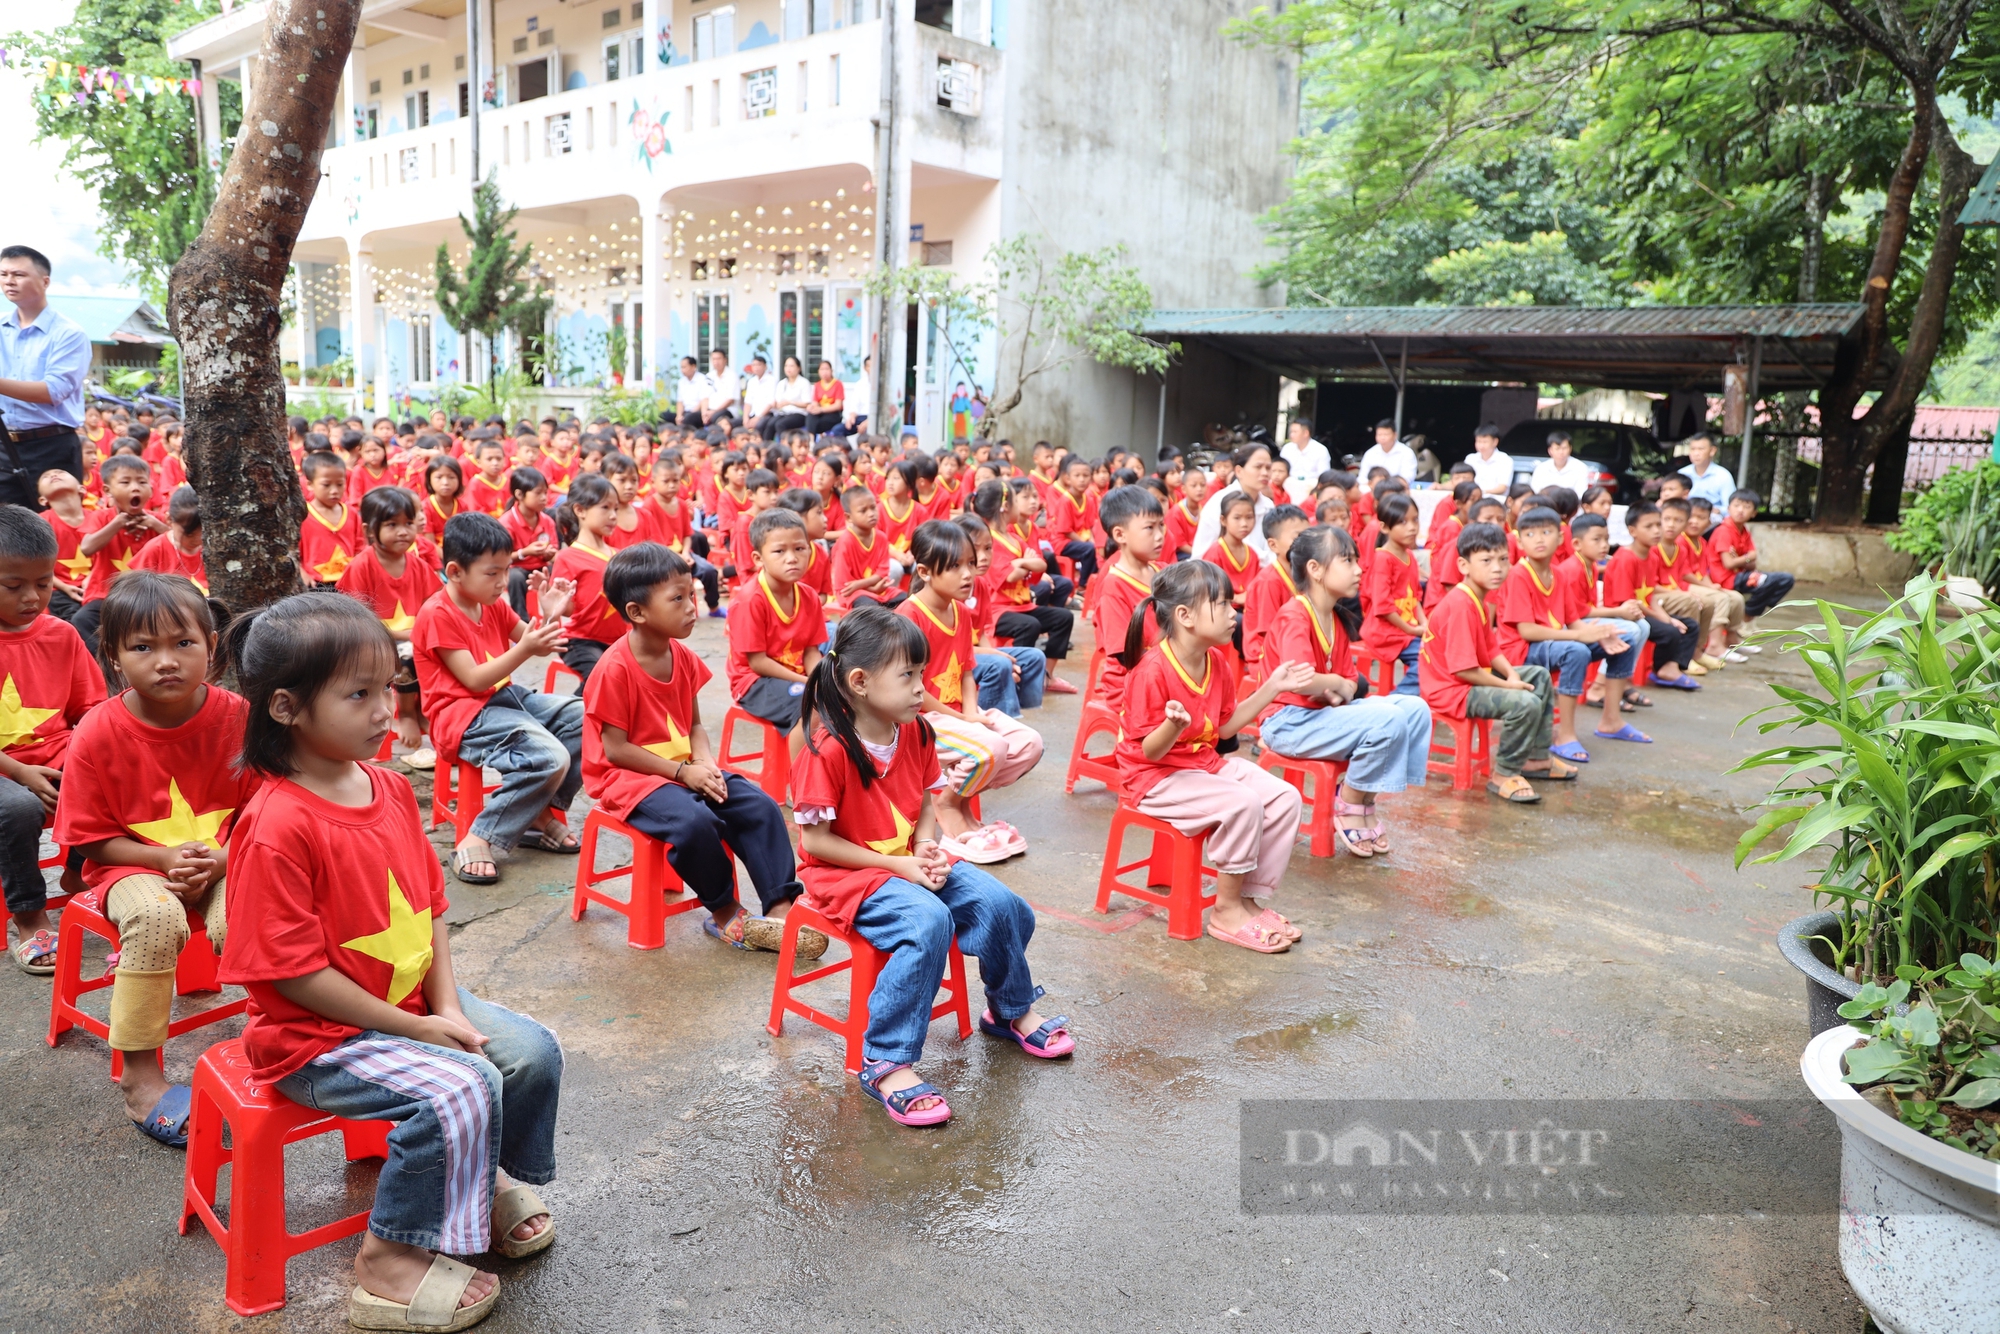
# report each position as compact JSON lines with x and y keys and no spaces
{"x":520,"y":1071}
{"x":914,"y":927}
{"x":536,"y":743}
{"x":1620,"y":666}
{"x":997,"y":687}
{"x":1385,"y":739}
{"x":1566,"y":660}
{"x":1410,"y":685}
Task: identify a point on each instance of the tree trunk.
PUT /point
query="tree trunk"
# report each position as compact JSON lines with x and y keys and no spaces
{"x":223,"y":304}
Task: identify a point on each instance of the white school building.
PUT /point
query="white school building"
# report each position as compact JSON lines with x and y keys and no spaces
{"x":706,"y":174}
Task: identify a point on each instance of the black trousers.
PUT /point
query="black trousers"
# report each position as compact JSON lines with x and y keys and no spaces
{"x":85,"y":623}
{"x":774,"y":422}
{"x":777,"y":702}
{"x":1054,"y":591}
{"x":1029,"y":624}
{"x":63,"y":451}
{"x":582,"y":657}
{"x":695,"y":830}
{"x":819,"y":423}
{"x":1084,"y":555}
{"x":893,"y":601}
{"x":1670,"y":644}
{"x":1772,"y":589}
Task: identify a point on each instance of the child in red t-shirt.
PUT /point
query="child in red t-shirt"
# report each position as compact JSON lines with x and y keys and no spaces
{"x":1733,"y":553}
{"x":1117,"y":615}
{"x":762,"y":488}
{"x":337,"y":908}
{"x":594,"y":624}
{"x":1232,"y":553}
{"x":1464,"y":675}
{"x":1272,"y":588}
{"x":817,"y":578}
{"x":330,"y":537}
{"x":1180,"y":701}
{"x":370,"y":470}
{"x":1011,"y":678}
{"x":66,"y":515}
{"x":1385,"y":739}
{"x":468,"y":644}
{"x":444,"y":484}
{"x":395,"y":575}
{"x":1442,"y":540}
{"x":776,"y":626}
{"x":178,"y":550}
{"x":860,"y":572}
{"x":900,"y":513}
{"x":1184,"y":515}
{"x":872,"y":864}
{"x":1391,"y":598}
{"x":1071,"y":514}
{"x":982,"y":749}
{"x":113,"y":534}
{"x":149,"y":788}
{"x":1532,"y":609}
{"x":486,"y":490}
{"x":47,"y":683}
{"x":533,"y":529}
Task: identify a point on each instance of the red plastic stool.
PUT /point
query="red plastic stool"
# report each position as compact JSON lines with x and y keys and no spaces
{"x":1318,"y":802}
{"x":1467,"y":756}
{"x":557,"y":670}
{"x":1095,"y":674}
{"x":458,"y":794}
{"x":1380,"y":672}
{"x":256,"y":1242}
{"x":1176,"y":861}
{"x":194,"y":974}
{"x":863,"y":965}
{"x":1097,"y":720}
{"x":645,"y":907}
{"x":772,"y":769}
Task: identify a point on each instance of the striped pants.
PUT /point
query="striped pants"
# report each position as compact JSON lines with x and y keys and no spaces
{"x":997,"y":752}
{"x":458,"y":1115}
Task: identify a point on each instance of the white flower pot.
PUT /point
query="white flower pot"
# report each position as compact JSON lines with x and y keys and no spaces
{"x":1919,"y":1220}
{"x":1964,"y":592}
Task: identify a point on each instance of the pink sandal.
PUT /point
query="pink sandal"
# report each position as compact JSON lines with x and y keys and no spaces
{"x":1254,"y":936}
{"x":1360,"y":842}
{"x":1281,"y":924}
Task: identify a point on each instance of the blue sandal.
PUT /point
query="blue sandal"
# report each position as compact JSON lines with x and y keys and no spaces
{"x":1572,"y":751}
{"x":167,"y":1122}
{"x":1051,"y":1040}
{"x":897,"y":1104}
{"x":1678,"y":683}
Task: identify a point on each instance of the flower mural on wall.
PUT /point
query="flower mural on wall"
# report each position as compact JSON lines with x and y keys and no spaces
{"x":649,"y":133}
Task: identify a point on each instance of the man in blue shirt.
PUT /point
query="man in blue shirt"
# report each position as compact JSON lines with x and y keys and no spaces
{"x":43,"y":358}
{"x":1707,"y":479}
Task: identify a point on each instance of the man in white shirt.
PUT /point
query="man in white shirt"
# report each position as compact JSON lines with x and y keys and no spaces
{"x":1561,"y":469}
{"x":1492,"y":469}
{"x":691,"y":391}
{"x":760,"y":392}
{"x":1390,"y":453}
{"x":1253,"y":479}
{"x":1707,"y":479}
{"x":860,"y":395}
{"x":1308,"y":457}
{"x":724,"y":399}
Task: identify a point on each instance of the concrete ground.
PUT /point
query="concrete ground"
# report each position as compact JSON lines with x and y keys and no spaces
{"x":1599,"y":945}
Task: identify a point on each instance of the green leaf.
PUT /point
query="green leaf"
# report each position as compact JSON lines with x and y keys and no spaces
{"x":1979,"y":1093}
{"x":1959,"y":845}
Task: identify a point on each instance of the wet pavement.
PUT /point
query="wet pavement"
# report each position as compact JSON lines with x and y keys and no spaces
{"x":711,"y":1176}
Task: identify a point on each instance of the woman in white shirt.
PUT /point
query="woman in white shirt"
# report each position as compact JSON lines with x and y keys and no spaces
{"x":794,"y":400}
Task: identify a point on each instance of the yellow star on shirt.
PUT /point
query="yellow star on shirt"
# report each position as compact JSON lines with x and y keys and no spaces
{"x":951,"y":681}
{"x":75,"y":569}
{"x":504,"y":681}
{"x":675,"y":747}
{"x":405,"y":944}
{"x":792,"y":657}
{"x":333,"y":567}
{"x":399,"y":619}
{"x":17,"y":721}
{"x":897,"y":844}
{"x":1200,"y":733}
{"x":182,"y":825}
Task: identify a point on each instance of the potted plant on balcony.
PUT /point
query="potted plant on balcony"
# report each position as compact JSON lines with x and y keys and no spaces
{"x":1889,"y":773}
{"x":617,"y":349}
{"x":1913,"y":1081}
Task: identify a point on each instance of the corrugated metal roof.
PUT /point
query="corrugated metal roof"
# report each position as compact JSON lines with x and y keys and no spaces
{"x":104,"y":318}
{"x":1797,"y":321}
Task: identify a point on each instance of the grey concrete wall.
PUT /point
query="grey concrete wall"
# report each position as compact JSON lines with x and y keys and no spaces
{"x":1143,"y":124}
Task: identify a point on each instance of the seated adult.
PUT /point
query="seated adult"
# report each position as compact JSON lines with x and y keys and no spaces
{"x":828,"y":396}
{"x":793,"y":401}
{"x":723,"y":405}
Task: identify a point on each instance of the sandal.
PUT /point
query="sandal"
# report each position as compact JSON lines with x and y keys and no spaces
{"x":728,"y":935}
{"x":1513,"y":788}
{"x":1051,"y":1040}
{"x":1360,"y":842}
{"x":1254,"y":936}
{"x":1678,"y":683}
{"x":897,"y":1104}
{"x":1626,"y":733}
{"x":548,"y":842}
{"x":511,"y":1208}
{"x":1572,"y":751}
{"x":1557,"y":771}
{"x":36,"y":954}
{"x":168,"y":1120}
{"x":460,"y":860}
{"x":433,"y":1307}
{"x":982,"y":847}
{"x":1282,"y":924}
{"x":1636,"y":697}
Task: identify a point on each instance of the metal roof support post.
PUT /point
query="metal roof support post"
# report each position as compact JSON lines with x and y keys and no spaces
{"x":1402,"y":379}
{"x":1160,"y":437}
{"x":1750,"y":409}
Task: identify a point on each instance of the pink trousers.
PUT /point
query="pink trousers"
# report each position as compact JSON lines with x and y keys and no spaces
{"x":976,"y":757}
{"x":1254,"y":816}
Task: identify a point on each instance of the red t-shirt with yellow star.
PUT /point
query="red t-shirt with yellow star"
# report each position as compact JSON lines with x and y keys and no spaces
{"x":48,"y":681}
{"x":449,"y":703}
{"x":1390,"y":585}
{"x":1524,"y":598}
{"x":115,"y":557}
{"x":327,"y":548}
{"x":1461,"y":639}
{"x":164,"y":556}
{"x":487,"y":497}
{"x":1299,"y":635}
{"x":160,"y":785}
{"x":950,"y":640}
{"x":852,"y":560}
{"x":882,"y":815}
{"x":593,"y":617}
{"x":396,"y":601}
{"x":655,"y":715}
{"x":758,"y":624}
{"x":313,"y":885}
{"x":1209,"y":699}
{"x":72,"y":566}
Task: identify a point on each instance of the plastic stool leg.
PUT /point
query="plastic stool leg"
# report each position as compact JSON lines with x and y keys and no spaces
{"x":867,"y":967}
{"x":195,"y":970}
{"x":646,"y":927}
{"x":1184,"y":898}
{"x":781,"y":986}
{"x":365,"y":1139}
{"x":258,"y":1249}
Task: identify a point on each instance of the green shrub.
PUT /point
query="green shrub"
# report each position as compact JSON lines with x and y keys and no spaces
{"x":1925,"y":530}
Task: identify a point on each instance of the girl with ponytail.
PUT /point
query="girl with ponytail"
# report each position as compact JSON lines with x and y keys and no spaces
{"x":872,"y":864}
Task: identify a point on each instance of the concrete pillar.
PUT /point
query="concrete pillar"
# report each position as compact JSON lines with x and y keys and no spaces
{"x":354,"y":90}
{"x":659,"y":15}
{"x":369,"y":364}
{"x":211,"y":118}
{"x":308,"y":323}
{"x":654,"y":273}
{"x":247,"y":72}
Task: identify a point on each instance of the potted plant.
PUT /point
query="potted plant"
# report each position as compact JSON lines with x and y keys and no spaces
{"x":1950,"y":532}
{"x":1914,"y":1085}
{"x":1890,"y":774}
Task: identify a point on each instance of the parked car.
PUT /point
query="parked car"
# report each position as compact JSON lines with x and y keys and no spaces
{"x":1621,"y":456}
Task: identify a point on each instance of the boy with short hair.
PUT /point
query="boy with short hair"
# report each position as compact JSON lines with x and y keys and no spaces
{"x":1391,"y":600}
{"x":775,"y":626}
{"x":1725,"y":606}
{"x":48,"y":681}
{"x":762,"y":488}
{"x":1582,"y":588}
{"x":1273,"y":587}
{"x":1733,"y":553}
{"x":65,"y":514}
{"x":114,"y":534}
{"x":648,"y":760}
{"x":860,"y":572}
{"x":1671,"y":570}
{"x":1068,"y":516}
{"x":486,"y":490}
{"x":1629,"y":578}
{"x":467,"y":644}
{"x":1535,"y":627}
{"x":1184,"y":515}
{"x":1011,"y":678}
{"x":178,"y":550}
{"x":818,"y":575}
{"x":331,"y":536}
{"x":1464,"y":674}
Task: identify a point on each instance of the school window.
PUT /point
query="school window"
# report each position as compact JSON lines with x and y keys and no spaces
{"x":711,"y":324}
{"x":464,"y":99}
{"x":417,"y":109}
{"x":760,"y":93}
{"x":958,"y":86}
{"x":833,"y":81}
{"x":420,"y":349}
{"x":559,"y":137}
{"x":937,"y":252}
{"x":715,"y":33}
